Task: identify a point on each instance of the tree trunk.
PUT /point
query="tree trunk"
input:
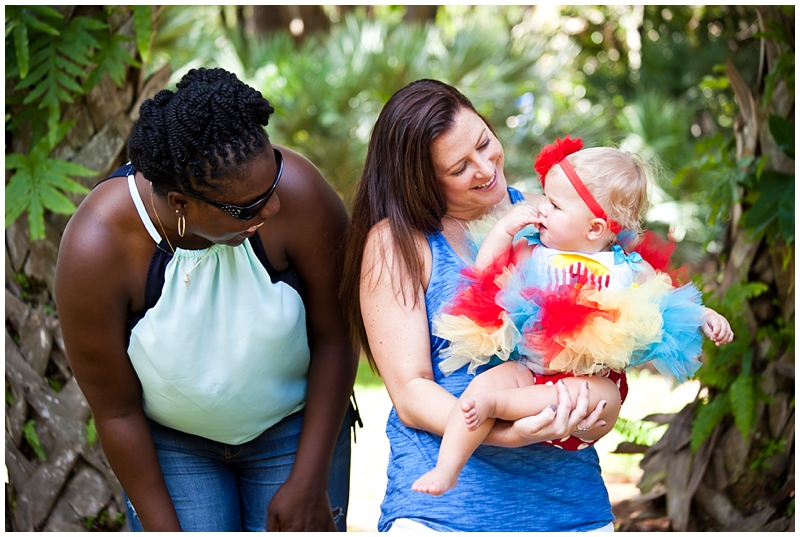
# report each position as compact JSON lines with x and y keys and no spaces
{"x":73,"y":487}
{"x":300,"y":20}
{"x":733,"y":483}
{"x":420,"y":13}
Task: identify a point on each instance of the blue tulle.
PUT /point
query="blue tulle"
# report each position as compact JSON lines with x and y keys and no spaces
{"x":675,"y":355}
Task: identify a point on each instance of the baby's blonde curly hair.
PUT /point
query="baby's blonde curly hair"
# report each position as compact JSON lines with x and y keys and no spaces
{"x":618,"y":181}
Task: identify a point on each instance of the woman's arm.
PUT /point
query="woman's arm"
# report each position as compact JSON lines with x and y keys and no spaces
{"x":313,"y":221}
{"x":397,"y":329}
{"x":91,"y":292}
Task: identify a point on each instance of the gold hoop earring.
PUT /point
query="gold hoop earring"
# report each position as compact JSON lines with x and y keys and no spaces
{"x":181,"y":225}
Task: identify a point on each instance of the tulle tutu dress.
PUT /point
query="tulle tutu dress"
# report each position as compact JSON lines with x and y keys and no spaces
{"x":574,"y":313}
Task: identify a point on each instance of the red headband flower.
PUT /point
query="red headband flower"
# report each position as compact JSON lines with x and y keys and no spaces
{"x":552,"y":154}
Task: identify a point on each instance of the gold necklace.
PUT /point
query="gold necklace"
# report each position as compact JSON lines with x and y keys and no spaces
{"x":158,"y":219}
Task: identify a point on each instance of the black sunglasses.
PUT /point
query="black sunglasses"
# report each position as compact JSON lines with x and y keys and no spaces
{"x":248,"y":212}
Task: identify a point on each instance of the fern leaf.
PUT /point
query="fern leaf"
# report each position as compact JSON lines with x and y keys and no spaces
{"x":55,"y":129}
{"x":739,"y":294}
{"x":67,"y":82}
{"x":708,"y":416}
{"x":38,"y":184}
{"x":14,"y":161}
{"x":11,"y":20}
{"x":112,"y":58}
{"x":22,"y":49}
{"x":143,"y":26}
{"x":46,"y":11}
{"x":743,"y":403}
{"x":638,"y":432}
{"x":18,"y":188}
{"x":57,"y":62}
{"x":38,"y":69}
{"x":60,"y":171}
{"x":36,"y":24}
{"x":70,"y":67}
{"x":54,"y":200}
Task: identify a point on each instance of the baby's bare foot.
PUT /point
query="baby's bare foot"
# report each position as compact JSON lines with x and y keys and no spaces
{"x":477,"y":409}
{"x":436,"y":482}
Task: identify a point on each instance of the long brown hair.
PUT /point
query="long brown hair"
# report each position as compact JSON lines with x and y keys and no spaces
{"x":399,"y":184}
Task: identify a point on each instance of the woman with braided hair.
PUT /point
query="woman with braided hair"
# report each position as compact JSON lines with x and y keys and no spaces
{"x":197,"y":293}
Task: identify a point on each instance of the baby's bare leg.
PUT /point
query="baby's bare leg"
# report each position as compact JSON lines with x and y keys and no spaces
{"x":479,"y":400}
{"x":516,"y":404}
{"x":459,"y":442}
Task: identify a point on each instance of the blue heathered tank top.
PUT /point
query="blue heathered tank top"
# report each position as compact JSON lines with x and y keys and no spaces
{"x":532,"y":488}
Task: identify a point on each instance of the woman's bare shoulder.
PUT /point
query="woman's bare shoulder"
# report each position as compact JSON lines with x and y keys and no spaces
{"x":380,"y":238}
{"x":104,"y":237}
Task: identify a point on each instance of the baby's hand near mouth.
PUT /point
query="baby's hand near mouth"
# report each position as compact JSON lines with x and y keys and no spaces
{"x":519,"y":217}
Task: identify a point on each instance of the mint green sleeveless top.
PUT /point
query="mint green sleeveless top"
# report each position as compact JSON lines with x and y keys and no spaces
{"x":227,"y":356}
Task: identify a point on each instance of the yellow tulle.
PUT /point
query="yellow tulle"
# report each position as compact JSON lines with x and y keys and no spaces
{"x":480,"y":227}
{"x":473,"y":344}
{"x":610,"y":343}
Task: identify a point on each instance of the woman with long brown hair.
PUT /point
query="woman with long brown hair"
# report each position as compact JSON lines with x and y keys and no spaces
{"x":433,"y":165}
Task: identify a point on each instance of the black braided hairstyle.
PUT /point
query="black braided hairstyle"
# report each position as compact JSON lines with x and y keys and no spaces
{"x":195,"y":138}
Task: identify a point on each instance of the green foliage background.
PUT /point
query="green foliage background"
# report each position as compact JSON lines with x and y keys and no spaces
{"x":649,"y":79}
{"x":49,"y":62}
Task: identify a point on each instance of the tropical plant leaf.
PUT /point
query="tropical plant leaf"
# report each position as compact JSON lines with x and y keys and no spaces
{"x":783,"y":132}
{"x":718,"y":370}
{"x":45,"y":11}
{"x":58,"y":60}
{"x":143,"y":27}
{"x":708,"y":416}
{"x":743,"y":403}
{"x":786,"y":215}
{"x":39,"y":183}
{"x":91,"y":432}
{"x":22,"y":49}
{"x":739,"y":294}
{"x":36,"y":24}
{"x":112,"y":58}
{"x":29,"y":431}
{"x":638,"y":431}
{"x":772,"y":187}
{"x":783,"y":68}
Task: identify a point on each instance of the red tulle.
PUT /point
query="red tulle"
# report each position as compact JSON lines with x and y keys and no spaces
{"x":566,"y":312}
{"x":476,"y":299}
{"x":658,"y":251}
{"x":554,"y":153}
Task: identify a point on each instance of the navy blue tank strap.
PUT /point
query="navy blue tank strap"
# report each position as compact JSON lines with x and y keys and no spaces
{"x":288,"y":276}
{"x":515,"y":195}
{"x":122,"y":171}
{"x":154,"y":284}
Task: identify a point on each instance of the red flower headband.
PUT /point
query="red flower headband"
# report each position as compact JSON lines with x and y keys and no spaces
{"x":557,"y":154}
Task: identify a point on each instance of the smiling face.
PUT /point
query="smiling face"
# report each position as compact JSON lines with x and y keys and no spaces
{"x":566,"y":222}
{"x":468,"y":163}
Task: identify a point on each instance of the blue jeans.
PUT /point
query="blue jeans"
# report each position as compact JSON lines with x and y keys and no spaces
{"x":221,"y":487}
